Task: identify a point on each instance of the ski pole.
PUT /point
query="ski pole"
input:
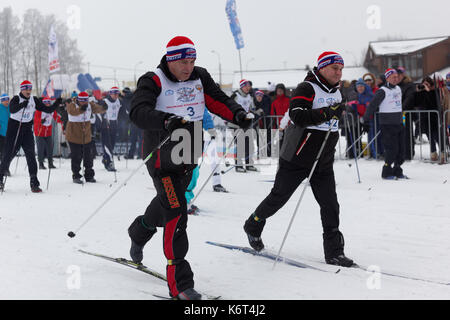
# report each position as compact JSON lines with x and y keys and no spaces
{"x":368,"y":145}
{"x":72,"y":234}
{"x":14,"y":147}
{"x":215,"y":168}
{"x":110,"y":152}
{"x":220,"y":161}
{"x":354,"y":148}
{"x":303,"y":193}
{"x":234,"y":166}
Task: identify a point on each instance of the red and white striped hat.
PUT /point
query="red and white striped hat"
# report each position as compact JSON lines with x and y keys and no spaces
{"x":26,"y":85}
{"x":389,"y":72}
{"x":243,"y":83}
{"x":83,"y":96}
{"x":114,"y":90}
{"x":46,"y":100}
{"x":327,"y":58}
{"x":180,"y":48}
{"x":259,"y":93}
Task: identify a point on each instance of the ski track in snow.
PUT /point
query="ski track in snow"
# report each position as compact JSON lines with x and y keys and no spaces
{"x":400,"y":226}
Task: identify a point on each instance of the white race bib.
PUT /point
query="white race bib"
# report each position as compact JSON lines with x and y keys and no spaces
{"x":184,"y":99}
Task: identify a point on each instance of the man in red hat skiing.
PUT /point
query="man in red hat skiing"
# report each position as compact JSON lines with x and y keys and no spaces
{"x":170,"y":98}
{"x":315,"y":110}
{"x":20,"y":132}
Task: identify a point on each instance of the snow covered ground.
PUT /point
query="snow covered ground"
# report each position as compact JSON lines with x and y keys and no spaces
{"x":400,"y":227}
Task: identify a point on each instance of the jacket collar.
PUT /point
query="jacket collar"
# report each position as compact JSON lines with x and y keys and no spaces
{"x":315,"y":77}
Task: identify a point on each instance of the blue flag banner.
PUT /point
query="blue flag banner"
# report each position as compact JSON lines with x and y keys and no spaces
{"x":234,"y":24}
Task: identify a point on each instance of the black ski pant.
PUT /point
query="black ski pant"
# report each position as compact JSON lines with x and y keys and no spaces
{"x":25,"y":140}
{"x":393,"y":138}
{"x":2,"y":145}
{"x":109,"y":134}
{"x":323,"y":185}
{"x":78,"y":153}
{"x":45,"y":149}
{"x":168,"y":209}
{"x":287,"y":180}
{"x":135,"y":137}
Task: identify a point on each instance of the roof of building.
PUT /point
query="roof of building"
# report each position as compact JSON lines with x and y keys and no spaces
{"x":403,"y":46}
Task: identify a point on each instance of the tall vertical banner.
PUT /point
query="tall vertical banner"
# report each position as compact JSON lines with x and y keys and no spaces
{"x":53,"y":59}
{"x":234,"y":23}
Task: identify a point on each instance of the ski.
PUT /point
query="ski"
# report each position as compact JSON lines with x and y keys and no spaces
{"x":143,"y":268}
{"x":403,"y":276}
{"x":269,"y":255}
{"x":127,"y":263}
{"x":390,"y":274}
{"x":170,"y":298}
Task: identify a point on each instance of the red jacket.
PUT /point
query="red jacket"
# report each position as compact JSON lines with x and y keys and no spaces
{"x":280,"y":106}
{"x":43,"y":123}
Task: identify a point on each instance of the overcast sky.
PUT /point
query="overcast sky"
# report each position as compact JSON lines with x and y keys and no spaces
{"x":277,"y":34}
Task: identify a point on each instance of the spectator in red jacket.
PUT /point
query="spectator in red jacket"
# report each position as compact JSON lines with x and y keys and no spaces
{"x":43,"y":132}
{"x":281,"y":103}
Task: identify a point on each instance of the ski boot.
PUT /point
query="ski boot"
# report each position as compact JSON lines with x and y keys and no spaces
{"x":193,"y":210}
{"x":77,"y":180}
{"x":240,"y":169}
{"x":41,"y":166}
{"x":111,"y":168}
{"x":139,"y":234}
{"x":34,"y":184}
{"x":251,"y":168}
{"x":388,"y":173}
{"x":219,"y":188}
{"x":341,"y":260}
{"x":253,"y":227}
{"x":189,"y":294}
{"x":91,"y":180}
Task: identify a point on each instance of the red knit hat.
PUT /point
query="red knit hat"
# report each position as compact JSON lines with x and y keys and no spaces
{"x":114,"y":90}
{"x":389,"y":72}
{"x":46,"y":100}
{"x":26,"y":85}
{"x":180,"y":48}
{"x":243,"y":83}
{"x":83,"y":96}
{"x":327,"y":58}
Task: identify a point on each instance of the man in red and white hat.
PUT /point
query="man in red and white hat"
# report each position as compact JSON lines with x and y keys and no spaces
{"x":314,"y":111}
{"x":244,"y":162}
{"x":173,"y":97}
{"x":78,"y":134}
{"x":20,"y":132}
{"x":43,"y":132}
{"x":388,"y":102}
{"x":110,"y":127}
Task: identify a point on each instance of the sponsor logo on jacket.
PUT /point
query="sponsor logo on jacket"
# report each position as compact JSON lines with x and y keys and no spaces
{"x":170,"y":191}
{"x":186,"y":94}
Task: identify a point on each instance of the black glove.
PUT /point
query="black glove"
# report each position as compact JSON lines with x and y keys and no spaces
{"x":174,"y":122}
{"x":334,"y":111}
{"x":23,"y":104}
{"x":58,"y":102}
{"x":84,"y":107}
{"x":241,"y":119}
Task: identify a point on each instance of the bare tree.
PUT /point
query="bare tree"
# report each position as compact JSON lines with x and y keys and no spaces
{"x":24,"y":49}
